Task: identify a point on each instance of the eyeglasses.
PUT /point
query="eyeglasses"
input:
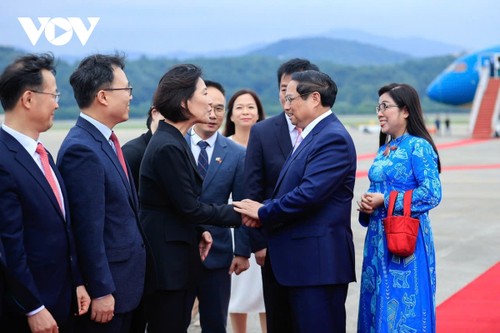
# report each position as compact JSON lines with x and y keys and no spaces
{"x":218,"y":109}
{"x":56,"y":95}
{"x":384,"y":106}
{"x":127,"y":88}
{"x":289,"y":99}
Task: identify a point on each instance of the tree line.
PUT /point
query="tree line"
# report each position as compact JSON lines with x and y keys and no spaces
{"x":358,"y":85}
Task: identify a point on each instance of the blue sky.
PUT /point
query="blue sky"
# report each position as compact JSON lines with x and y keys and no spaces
{"x":198,"y":26}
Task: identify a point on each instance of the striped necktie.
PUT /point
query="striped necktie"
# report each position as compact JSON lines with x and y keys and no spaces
{"x":203,"y":159}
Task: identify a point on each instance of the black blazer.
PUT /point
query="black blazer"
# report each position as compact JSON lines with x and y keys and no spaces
{"x":171,"y":210}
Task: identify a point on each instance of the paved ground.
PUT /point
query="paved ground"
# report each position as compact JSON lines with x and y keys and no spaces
{"x":466,"y":224}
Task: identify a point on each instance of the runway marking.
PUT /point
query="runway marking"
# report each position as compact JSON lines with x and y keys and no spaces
{"x":447,"y":145}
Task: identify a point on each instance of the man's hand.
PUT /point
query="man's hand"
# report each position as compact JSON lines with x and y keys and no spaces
{"x":248,"y":207}
{"x":205,"y":245}
{"x":103,"y":309}
{"x":238,"y":265}
{"x":43,"y":322}
{"x":260,"y":257}
{"x":83,"y":299}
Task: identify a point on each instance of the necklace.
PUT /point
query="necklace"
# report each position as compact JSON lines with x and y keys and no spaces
{"x":394,"y":144}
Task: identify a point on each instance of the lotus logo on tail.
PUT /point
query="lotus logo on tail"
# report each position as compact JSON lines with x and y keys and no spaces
{"x":58,"y":30}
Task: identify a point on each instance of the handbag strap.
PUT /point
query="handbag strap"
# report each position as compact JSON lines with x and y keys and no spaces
{"x":406,"y":202}
{"x":392,"y":202}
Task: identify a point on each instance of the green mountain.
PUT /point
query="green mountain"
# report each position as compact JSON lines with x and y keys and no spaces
{"x":338,"y":51}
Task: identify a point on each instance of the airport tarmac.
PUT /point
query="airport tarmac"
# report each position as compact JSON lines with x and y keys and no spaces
{"x":466,"y":225}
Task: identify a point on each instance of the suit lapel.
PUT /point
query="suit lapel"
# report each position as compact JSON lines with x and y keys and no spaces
{"x":294,"y":154}
{"x":291,"y":158}
{"x":282,"y":135}
{"x":110,"y":153}
{"x":27,"y":162}
{"x":218,"y":156}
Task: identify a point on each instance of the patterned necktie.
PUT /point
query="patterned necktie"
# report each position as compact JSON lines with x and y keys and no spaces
{"x":298,"y":140}
{"x":47,"y":170}
{"x":203,"y":159}
{"x":119,"y":152}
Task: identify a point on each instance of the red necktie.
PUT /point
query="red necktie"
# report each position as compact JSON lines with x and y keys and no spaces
{"x":119,"y":152}
{"x":47,"y":170}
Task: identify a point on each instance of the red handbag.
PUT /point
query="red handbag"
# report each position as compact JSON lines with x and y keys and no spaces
{"x":401,"y":231}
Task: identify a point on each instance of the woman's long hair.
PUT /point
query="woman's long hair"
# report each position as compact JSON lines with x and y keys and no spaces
{"x":229,"y":128}
{"x":405,"y":95}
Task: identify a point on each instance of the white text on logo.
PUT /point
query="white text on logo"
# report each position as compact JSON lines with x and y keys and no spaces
{"x":67,"y":25}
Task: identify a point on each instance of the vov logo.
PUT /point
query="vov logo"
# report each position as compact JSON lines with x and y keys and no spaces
{"x":58,"y":30}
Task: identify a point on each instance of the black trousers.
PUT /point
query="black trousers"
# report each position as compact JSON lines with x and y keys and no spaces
{"x":169,"y":311}
{"x":213,"y":294}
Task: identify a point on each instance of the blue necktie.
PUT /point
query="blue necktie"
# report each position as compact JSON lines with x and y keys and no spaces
{"x":203,"y":159}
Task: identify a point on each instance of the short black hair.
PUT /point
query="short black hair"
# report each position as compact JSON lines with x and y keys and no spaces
{"x":216,"y":85}
{"x":94,"y":73}
{"x":310,"y":81}
{"x":176,"y":86}
{"x":23,"y":74}
{"x":295,"y":65}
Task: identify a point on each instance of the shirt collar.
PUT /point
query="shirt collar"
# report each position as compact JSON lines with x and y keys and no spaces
{"x":105,"y":130}
{"x":195,"y":138}
{"x":315,"y":122}
{"x":27,"y":142}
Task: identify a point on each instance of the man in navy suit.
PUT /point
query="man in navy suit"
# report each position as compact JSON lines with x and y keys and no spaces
{"x":102,"y":195}
{"x":307,"y":219}
{"x":270,"y":143}
{"x":224,"y":178}
{"x":38,"y":257}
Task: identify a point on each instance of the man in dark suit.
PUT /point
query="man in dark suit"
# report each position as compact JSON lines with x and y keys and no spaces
{"x":269,"y":145}
{"x":224,"y":177}
{"x":102,"y":195}
{"x":38,"y":255}
{"x":307,"y":219}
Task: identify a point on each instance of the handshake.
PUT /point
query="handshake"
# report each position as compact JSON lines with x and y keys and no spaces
{"x":249,"y":211}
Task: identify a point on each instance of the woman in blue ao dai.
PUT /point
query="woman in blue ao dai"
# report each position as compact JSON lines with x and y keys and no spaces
{"x":398,"y":294}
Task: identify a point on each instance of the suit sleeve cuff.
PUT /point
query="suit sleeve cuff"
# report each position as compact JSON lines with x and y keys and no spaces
{"x":34,"y":312}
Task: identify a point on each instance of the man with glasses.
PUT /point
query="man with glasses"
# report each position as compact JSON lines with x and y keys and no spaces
{"x":102,"y":195}
{"x":270,"y":143}
{"x":308,"y":217}
{"x":39,"y":263}
{"x":223,"y":179}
